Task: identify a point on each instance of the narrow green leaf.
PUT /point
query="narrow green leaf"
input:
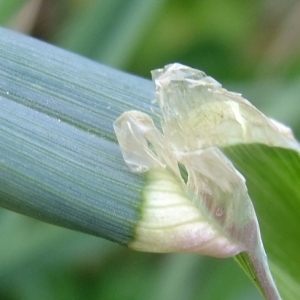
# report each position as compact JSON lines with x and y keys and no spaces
{"x":83,"y":33}
{"x":109,"y":30}
{"x":59,"y":159}
{"x":8,"y":8}
{"x":273,"y":179}
{"x":130,"y":25}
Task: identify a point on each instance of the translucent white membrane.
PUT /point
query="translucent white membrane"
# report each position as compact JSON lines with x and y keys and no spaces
{"x":194,"y":199}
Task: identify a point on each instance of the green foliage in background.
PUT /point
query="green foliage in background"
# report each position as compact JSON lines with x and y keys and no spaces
{"x":230,"y":40}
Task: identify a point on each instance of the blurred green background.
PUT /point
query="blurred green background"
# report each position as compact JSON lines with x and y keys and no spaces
{"x":252,"y":47}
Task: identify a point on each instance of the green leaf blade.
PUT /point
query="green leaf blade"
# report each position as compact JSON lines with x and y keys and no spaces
{"x":57,"y":142}
{"x":273,"y":181}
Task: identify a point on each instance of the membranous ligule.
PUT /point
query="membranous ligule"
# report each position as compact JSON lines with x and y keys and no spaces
{"x":195,"y":200}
